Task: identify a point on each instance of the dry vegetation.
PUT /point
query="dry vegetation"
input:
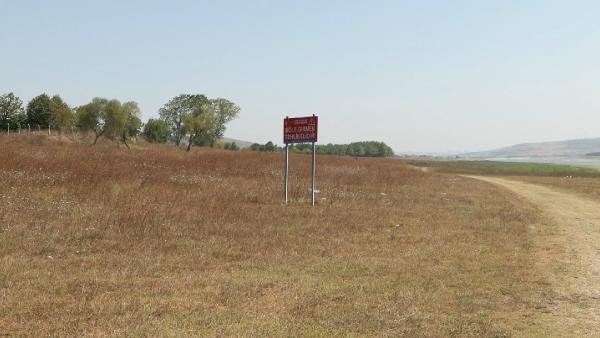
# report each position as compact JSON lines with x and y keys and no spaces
{"x":499,"y":168}
{"x":584,"y":186}
{"x":155,"y":241}
{"x":582,"y":180}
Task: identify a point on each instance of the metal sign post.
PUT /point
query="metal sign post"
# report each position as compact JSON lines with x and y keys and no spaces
{"x":300,"y":130}
{"x":314,"y":173}
{"x":285,"y":179}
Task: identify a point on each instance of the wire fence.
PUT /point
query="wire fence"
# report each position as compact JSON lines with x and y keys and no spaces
{"x":36,"y":129}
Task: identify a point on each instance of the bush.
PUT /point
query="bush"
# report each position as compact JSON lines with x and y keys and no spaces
{"x":232,"y":146}
{"x":156,"y":131}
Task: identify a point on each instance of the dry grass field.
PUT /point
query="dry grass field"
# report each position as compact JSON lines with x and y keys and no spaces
{"x":156,"y":241}
{"x":584,"y":186}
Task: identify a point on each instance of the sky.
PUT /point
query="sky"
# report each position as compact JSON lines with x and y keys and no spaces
{"x":422,"y":75}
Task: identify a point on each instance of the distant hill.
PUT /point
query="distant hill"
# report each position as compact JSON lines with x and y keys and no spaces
{"x":240,"y":143}
{"x":580,"y":147}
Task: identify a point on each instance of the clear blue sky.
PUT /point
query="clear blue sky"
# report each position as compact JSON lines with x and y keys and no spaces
{"x":419,"y":75}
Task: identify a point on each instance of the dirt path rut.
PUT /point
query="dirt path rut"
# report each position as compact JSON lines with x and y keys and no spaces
{"x":574,"y":307}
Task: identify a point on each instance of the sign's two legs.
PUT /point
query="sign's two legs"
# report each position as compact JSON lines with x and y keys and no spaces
{"x":286,"y":173}
{"x":300,"y":130}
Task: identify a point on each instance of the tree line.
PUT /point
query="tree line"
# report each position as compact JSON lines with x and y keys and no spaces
{"x":358,"y":149}
{"x":193,"y":119}
{"x":42,"y":111}
{"x":185,"y":120}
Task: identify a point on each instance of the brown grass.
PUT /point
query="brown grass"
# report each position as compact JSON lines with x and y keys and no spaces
{"x":156,"y":241}
{"x":584,"y":186}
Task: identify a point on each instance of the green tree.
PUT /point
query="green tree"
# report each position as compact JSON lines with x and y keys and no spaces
{"x":356,"y":149}
{"x":91,"y":117}
{"x":256,"y":147}
{"x":272,"y":147}
{"x":231,"y":146}
{"x":225,"y":111}
{"x":370,"y":148}
{"x":156,"y":131}
{"x":133,"y":124}
{"x":199,"y":125}
{"x":109,"y":118}
{"x":175,"y":112}
{"x":38,"y":111}
{"x":305,"y":148}
{"x":179,"y":109}
{"x":269,"y":146}
{"x":384,"y":150}
{"x":61,"y":116}
{"x":115,"y":120}
{"x":11,"y":111}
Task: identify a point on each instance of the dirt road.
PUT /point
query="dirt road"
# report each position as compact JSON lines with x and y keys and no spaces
{"x":571,"y":239}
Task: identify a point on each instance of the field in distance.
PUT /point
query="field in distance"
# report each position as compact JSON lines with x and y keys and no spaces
{"x":499,"y":168}
{"x":156,"y":241}
{"x":569,"y":178}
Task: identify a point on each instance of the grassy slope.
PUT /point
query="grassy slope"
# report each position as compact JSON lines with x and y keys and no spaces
{"x":156,"y":241}
{"x":506,"y":168}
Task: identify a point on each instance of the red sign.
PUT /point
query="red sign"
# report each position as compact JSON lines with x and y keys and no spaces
{"x":300,"y":129}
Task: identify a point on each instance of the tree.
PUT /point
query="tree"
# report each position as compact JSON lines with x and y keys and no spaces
{"x":225,"y":111}
{"x":19,"y":120}
{"x":11,"y":111}
{"x":356,"y":149}
{"x":109,"y":118}
{"x":199,"y":125}
{"x":38,"y":111}
{"x":175,"y":112}
{"x":231,"y":146}
{"x":156,"y":131}
{"x":272,"y":147}
{"x":369,"y":148}
{"x":269,"y":146}
{"x":115,"y":121}
{"x":91,"y":117}
{"x":61,"y":116}
{"x":133,"y":124}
